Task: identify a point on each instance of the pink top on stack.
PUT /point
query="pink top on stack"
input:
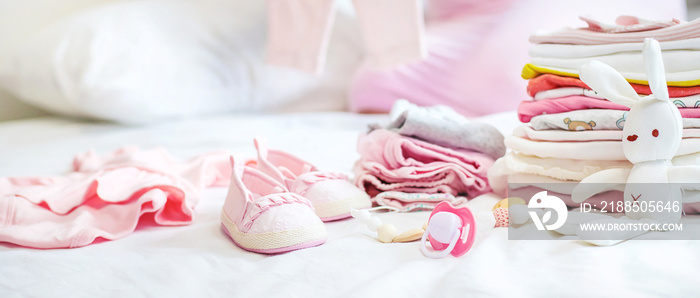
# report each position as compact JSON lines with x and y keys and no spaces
{"x":661,"y":31}
{"x":529,"y":109}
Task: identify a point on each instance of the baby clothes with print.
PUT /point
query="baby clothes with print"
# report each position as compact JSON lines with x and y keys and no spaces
{"x":591,"y":119}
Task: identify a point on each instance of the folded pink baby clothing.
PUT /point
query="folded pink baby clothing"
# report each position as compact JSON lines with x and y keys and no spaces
{"x":529,"y":109}
{"x":573,"y":131}
{"x":391,"y":162}
{"x":299,"y":32}
{"x":105,"y":197}
{"x":626,"y":24}
{"x":373,"y":183}
{"x":626,"y":32}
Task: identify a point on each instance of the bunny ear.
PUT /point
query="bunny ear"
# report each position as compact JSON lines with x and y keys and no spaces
{"x":609,"y":83}
{"x":654,"y":65}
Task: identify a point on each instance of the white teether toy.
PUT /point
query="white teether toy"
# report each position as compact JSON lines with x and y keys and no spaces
{"x":386,"y":233}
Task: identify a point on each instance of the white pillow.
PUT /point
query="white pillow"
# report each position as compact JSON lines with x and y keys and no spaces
{"x":141,"y":61}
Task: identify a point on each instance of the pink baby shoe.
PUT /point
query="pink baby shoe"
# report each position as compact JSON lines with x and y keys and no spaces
{"x":261,"y":215}
{"x":332,"y":194}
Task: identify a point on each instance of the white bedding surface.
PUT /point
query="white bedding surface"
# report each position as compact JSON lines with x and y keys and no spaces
{"x":199,"y":260}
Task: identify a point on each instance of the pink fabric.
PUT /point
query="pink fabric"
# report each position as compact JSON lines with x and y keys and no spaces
{"x":305,"y":181}
{"x":447,"y":76}
{"x":295,"y":173}
{"x":476,"y":50}
{"x":265,"y":203}
{"x":548,"y":81}
{"x":626,"y":24}
{"x":501,"y":215}
{"x":393,"y":31}
{"x":529,"y":109}
{"x":299,"y":31}
{"x":105,"y":196}
{"x":333,"y":191}
{"x":393,"y":162}
{"x":586,"y":36}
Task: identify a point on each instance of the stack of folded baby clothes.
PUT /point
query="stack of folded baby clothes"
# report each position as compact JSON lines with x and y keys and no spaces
{"x":425,"y":156}
{"x":572,"y":131}
{"x":562,"y":101}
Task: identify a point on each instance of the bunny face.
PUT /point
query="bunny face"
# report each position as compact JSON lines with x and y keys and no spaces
{"x":653,"y":131}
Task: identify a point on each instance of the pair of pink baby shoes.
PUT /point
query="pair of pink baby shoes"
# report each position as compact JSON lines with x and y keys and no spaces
{"x":281,"y":205}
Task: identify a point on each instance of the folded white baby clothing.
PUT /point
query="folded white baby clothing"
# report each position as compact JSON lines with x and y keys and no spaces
{"x":679,"y":78}
{"x":527,"y":131}
{"x":592,"y":150}
{"x":566,"y":91}
{"x":575,"y":132}
{"x":554,"y":50}
{"x":675,"y":61}
{"x":570,"y":169}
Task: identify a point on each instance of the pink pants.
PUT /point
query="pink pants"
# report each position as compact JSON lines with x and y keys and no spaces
{"x":299,"y":31}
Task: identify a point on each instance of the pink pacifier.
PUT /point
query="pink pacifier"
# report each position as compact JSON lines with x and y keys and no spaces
{"x":450,"y":231}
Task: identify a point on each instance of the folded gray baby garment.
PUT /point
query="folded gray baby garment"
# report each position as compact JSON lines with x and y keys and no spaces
{"x":442,"y":126}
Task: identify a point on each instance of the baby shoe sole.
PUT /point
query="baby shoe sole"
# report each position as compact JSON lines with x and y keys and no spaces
{"x":340,"y":209}
{"x":275,"y":242}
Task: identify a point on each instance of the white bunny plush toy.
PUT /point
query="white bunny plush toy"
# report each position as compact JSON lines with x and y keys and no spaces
{"x":651,"y":137}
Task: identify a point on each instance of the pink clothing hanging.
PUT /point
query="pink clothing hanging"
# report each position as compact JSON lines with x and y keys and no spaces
{"x":661,"y":31}
{"x":299,"y":31}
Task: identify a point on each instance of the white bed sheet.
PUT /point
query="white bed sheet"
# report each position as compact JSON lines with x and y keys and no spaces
{"x":199,"y":260}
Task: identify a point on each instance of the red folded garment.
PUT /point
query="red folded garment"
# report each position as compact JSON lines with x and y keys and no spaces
{"x":549,"y":81}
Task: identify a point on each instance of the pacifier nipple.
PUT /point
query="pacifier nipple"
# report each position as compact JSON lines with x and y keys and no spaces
{"x":449,"y":230}
{"x":443,"y":227}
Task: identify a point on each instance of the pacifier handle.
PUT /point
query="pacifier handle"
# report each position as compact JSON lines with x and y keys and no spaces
{"x":441,"y":254}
